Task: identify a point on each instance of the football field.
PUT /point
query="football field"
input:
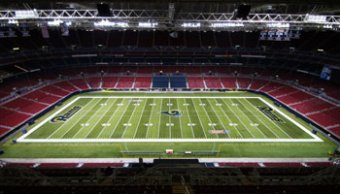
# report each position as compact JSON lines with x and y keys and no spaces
{"x":169,"y":119}
{"x":106,"y":124}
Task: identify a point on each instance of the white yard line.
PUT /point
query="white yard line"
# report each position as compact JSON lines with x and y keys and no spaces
{"x":192,"y":128}
{"x":160,"y":115}
{"x":153,"y":108}
{"x":129,"y":121}
{"x":140,"y":118}
{"x":291,"y":120}
{"x":143,"y":97}
{"x":199,"y":120}
{"x":151,"y":160}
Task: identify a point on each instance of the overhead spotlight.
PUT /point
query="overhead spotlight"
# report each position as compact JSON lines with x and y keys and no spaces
{"x":147,"y":24}
{"x":191,"y":25}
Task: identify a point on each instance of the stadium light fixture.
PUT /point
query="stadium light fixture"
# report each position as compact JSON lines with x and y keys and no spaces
{"x":316,"y":18}
{"x":107,"y":23}
{"x":26,"y":14}
{"x":226,"y":25}
{"x":191,"y":25}
{"x":58,"y":22}
{"x":278,"y":25}
{"x":147,"y":24}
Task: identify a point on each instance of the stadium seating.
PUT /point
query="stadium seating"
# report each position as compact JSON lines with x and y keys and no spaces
{"x":195,"y":82}
{"x":160,"y":81}
{"x":109,"y":82}
{"x":143,"y":82}
{"x":213,"y":82}
{"x":178,"y":81}
{"x":228,"y":83}
{"x":125,"y":82}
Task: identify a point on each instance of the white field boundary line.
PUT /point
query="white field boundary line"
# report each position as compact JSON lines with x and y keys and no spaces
{"x":151,"y":160}
{"x":197,"y":140}
{"x":24,"y":140}
{"x":291,"y":120}
{"x":46,"y":120}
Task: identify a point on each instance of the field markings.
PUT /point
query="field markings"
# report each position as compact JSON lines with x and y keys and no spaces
{"x":291,"y":120}
{"x":207,"y":115}
{"x":251,"y":121}
{"x":23,"y":138}
{"x":160,"y":118}
{"x":238,"y":118}
{"x":202,"y":126}
{"x":78,"y":120}
{"x":101,"y":117}
{"x":192,"y":127}
{"x":94,"y":117}
{"x":127,"y":124}
{"x":139,"y":140}
{"x":218,"y":118}
{"x":72,"y":124}
{"x":258,"y":117}
{"x":105,"y":128}
{"x":130,"y":120}
{"x":120,"y":118}
{"x":229,"y":120}
{"x":47,"y":119}
{"x":140,"y":118}
{"x":153,"y":109}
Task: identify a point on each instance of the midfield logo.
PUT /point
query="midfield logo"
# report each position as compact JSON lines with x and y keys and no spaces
{"x":174,"y":113}
{"x":67,"y":115}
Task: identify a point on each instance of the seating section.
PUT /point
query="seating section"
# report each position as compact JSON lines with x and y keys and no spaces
{"x":80,"y":83}
{"x":213,"y":82}
{"x":178,"y":81}
{"x":109,"y":82}
{"x":12,"y":118}
{"x":125,"y":82}
{"x":95,"y":82}
{"x":160,"y":81}
{"x":143,"y":82}
{"x":228,"y":82}
{"x":195,"y":82}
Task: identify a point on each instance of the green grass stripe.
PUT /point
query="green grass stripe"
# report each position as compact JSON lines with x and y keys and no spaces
{"x":142,"y":129}
{"x":176,"y":129}
{"x":155,"y":119}
{"x":228,"y":110}
{"x":164,"y":131}
{"x":135,"y":118}
{"x":187,"y":131}
{"x":118,"y":132}
{"x":104,"y":119}
{"x":85,"y":118}
{"x":213,"y":117}
{"x":198,"y":128}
